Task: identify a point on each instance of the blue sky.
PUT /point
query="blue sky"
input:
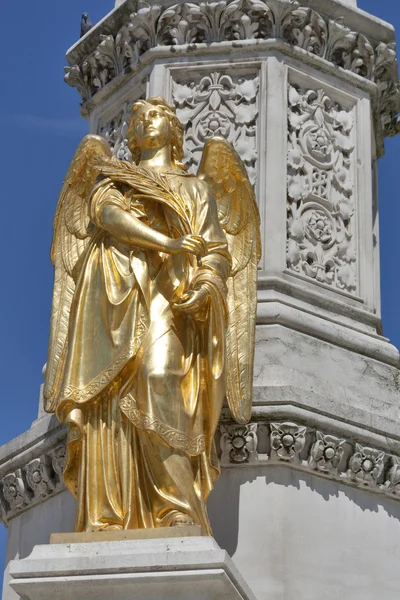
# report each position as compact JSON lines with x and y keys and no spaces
{"x":39,"y":118}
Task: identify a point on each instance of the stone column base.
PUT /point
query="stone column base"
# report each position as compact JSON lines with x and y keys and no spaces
{"x":155,"y":569}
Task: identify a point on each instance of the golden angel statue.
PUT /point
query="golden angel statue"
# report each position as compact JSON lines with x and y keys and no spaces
{"x":153,"y":321}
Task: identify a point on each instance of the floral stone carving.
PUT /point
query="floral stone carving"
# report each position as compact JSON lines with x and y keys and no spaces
{"x":39,"y":474}
{"x":15,"y":491}
{"x":287,"y":441}
{"x":238,"y":443}
{"x":58,"y":456}
{"x":194,"y":23}
{"x":392,"y":483}
{"x":218,"y":104}
{"x":241,"y":446}
{"x":320,"y":207}
{"x":366,"y":465}
{"x":114,"y":133}
{"x":326,"y":453}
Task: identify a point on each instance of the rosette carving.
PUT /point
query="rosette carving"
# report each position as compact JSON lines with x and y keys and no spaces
{"x":326,"y":453}
{"x":287,"y":441}
{"x":39,"y":476}
{"x":260,"y":443}
{"x":366,"y":465}
{"x":238,"y":443}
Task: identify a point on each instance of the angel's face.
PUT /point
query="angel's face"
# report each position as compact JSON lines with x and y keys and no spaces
{"x":151,"y":128}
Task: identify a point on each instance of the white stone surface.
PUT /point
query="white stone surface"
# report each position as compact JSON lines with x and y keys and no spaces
{"x":297,"y":369}
{"x":159,"y":569}
{"x":291,"y":535}
{"x":35,"y":526}
{"x":346,"y":2}
{"x":294,"y":536}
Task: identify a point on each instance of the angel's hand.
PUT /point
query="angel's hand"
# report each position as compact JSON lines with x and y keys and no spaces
{"x":193,"y":303}
{"x":194,"y":244}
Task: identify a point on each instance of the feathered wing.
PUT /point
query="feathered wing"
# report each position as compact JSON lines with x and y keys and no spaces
{"x":70,"y":239}
{"x":238,"y":213}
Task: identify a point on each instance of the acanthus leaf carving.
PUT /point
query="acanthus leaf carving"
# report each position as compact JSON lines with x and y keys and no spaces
{"x":385,"y":75}
{"x":210,"y":22}
{"x":142,"y":25}
{"x":306,"y":29}
{"x":350,"y":50}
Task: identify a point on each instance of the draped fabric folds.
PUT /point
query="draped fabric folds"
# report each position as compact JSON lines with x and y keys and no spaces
{"x":143,"y":384}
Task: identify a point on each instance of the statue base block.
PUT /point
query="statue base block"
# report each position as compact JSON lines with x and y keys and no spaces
{"x":156,"y":569}
{"x":181,"y":531}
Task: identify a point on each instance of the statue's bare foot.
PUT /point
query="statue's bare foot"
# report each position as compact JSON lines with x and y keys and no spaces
{"x":181,"y":519}
{"x":112,"y":528}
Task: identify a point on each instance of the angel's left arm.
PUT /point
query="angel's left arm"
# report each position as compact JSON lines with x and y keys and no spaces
{"x":209,"y":281}
{"x":214,"y":268}
{"x":217,"y":259}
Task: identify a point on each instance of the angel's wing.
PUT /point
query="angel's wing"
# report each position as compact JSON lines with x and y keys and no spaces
{"x":70,"y":238}
{"x":225,"y":172}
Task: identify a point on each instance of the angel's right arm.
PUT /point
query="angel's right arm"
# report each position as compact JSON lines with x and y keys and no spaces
{"x":109,"y":210}
{"x":128,"y":229}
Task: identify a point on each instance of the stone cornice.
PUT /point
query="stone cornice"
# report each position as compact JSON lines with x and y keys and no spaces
{"x":113,"y":50}
{"x":35,"y":474}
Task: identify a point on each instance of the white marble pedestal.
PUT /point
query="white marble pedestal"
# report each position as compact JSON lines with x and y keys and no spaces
{"x":192,"y":568}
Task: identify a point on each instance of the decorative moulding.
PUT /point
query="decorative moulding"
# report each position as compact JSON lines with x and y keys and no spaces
{"x":263,"y":442}
{"x":118,"y":51}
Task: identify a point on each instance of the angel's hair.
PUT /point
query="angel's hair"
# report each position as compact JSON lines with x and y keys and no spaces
{"x":175,"y":124}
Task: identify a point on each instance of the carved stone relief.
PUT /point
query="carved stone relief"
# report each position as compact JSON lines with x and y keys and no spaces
{"x":15,"y":491}
{"x":320,"y":207}
{"x":195,"y":22}
{"x":238,"y":443}
{"x":39,"y":476}
{"x":326,"y":453}
{"x":287,"y":441}
{"x":114,"y":131}
{"x":261,"y":442}
{"x":218,"y":104}
{"x":366,"y":465}
{"x":392,"y":483}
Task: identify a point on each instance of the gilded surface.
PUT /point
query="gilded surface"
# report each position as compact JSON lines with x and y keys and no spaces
{"x":152,"y":323}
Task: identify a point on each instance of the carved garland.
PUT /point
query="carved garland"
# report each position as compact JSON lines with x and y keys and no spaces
{"x":210,"y":22}
{"x":286,"y":443}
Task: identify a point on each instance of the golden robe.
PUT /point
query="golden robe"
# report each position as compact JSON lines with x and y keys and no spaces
{"x":143,"y":384}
